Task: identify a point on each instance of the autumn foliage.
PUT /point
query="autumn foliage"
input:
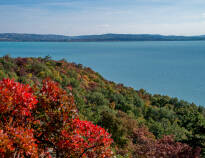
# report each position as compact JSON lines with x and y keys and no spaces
{"x":44,"y":119}
{"x":40,"y":122}
{"x":146,"y":146}
{"x":83,"y":138}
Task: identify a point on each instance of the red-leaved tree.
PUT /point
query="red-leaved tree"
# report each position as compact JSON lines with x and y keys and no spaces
{"x":16,"y":134}
{"x":40,"y":122}
{"x":146,"y":146}
{"x":83,"y":139}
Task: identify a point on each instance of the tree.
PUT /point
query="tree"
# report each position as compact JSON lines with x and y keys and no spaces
{"x":35,"y":121}
{"x":16,"y":134}
{"x":83,"y":139}
{"x":146,"y":146}
{"x":194,"y":122}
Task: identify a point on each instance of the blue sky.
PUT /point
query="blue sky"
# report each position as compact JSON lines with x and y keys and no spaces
{"x":80,"y":17}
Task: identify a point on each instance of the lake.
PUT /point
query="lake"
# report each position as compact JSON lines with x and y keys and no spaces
{"x":170,"y":68}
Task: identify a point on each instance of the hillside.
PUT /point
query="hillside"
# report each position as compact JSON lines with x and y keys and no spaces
{"x":140,"y":123}
{"x":92,"y":38}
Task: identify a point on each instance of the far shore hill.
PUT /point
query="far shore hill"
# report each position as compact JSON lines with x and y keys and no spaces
{"x":17,"y":37}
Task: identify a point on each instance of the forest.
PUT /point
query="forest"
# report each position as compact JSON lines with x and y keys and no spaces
{"x":52,"y":108}
{"x":95,"y":38}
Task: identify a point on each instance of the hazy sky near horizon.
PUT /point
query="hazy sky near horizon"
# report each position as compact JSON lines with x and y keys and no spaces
{"x":82,"y":17}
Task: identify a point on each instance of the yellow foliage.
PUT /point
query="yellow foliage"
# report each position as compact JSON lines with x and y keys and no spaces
{"x":112,"y":105}
{"x":29,"y":75}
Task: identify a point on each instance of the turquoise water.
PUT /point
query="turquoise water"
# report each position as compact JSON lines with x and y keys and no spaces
{"x":170,"y":68}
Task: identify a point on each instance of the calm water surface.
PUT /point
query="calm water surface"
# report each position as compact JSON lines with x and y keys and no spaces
{"x":171,"y":68}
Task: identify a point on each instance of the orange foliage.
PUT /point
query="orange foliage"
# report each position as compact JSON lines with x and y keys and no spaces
{"x":31,"y":124}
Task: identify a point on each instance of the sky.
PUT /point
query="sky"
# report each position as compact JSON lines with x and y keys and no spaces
{"x":85,"y":17}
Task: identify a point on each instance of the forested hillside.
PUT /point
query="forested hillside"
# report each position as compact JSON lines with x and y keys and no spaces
{"x":16,"y":37}
{"x":141,"y":124}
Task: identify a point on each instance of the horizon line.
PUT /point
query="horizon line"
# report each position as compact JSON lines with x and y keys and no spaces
{"x":101,"y":34}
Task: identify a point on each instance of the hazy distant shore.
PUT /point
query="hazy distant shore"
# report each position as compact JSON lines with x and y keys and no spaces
{"x":15,"y":37}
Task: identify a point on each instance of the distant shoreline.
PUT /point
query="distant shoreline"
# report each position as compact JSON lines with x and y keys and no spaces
{"x":107,"y":41}
{"x":15,"y":37}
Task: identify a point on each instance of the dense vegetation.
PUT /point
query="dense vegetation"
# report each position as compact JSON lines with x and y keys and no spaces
{"x":141,"y":124}
{"x":43,"y":122}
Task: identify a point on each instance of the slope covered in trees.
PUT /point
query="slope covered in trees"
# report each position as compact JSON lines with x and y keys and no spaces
{"x":140,"y":124}
{"x":16,"y":37}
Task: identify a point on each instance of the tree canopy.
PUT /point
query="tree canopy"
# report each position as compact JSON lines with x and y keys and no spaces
{"x":47,"y":105}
